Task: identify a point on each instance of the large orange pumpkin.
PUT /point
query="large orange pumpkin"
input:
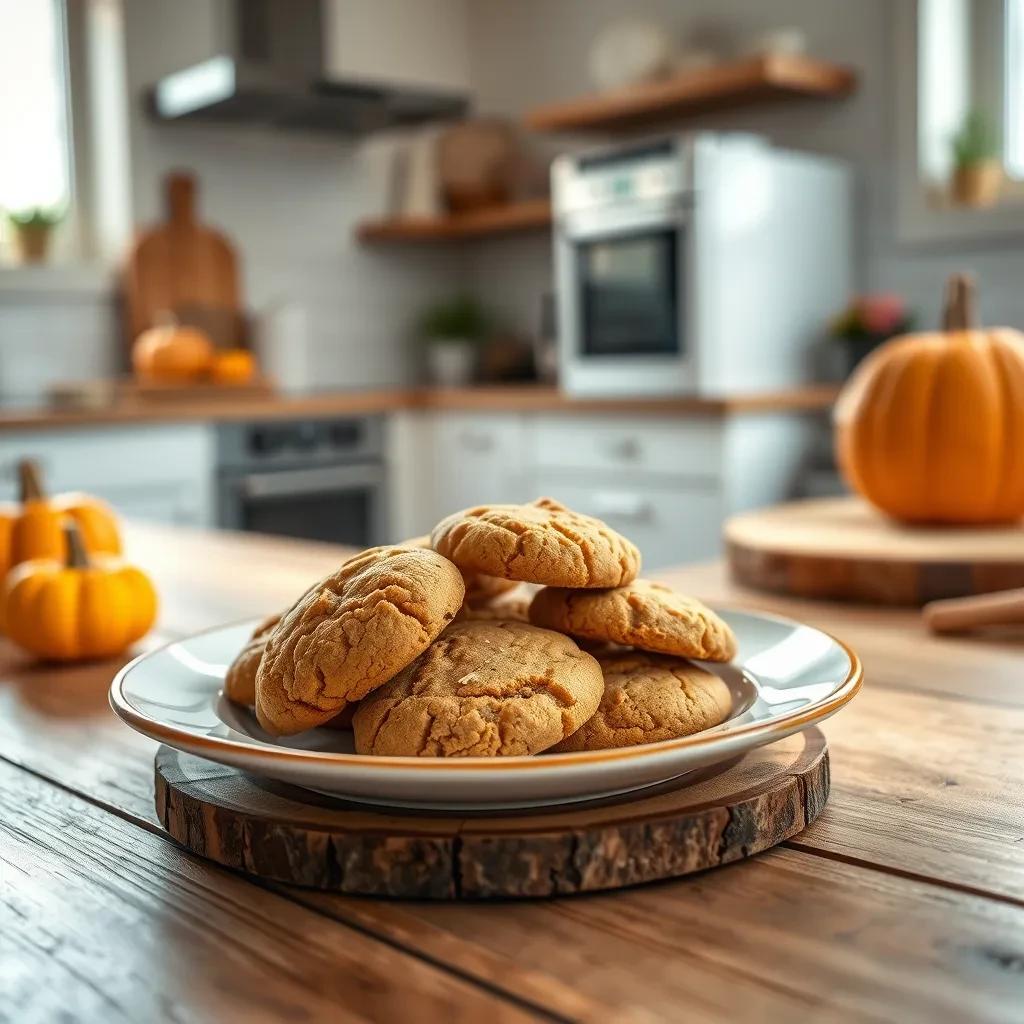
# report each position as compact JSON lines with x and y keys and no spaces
{"x":172,"y":352}
{"x":34,"y":529}
{"x":930,"y":427}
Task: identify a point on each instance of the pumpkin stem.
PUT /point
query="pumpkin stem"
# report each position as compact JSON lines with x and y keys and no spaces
{"x":30,"y":480}
{"x":959,"y":314}
{"x":78,"y":557}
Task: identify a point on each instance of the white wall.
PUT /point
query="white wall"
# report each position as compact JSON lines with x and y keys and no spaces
{"x":533,"y":51}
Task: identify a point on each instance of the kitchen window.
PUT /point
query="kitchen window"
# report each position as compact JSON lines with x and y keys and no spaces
{"x":63,"y":121}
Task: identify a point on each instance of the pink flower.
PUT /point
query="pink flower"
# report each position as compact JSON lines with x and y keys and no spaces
{"x":882,"y":313}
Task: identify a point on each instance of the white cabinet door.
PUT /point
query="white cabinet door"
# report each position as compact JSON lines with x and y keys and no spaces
{"x":162,"y":472}
{"x":670,"y":523}
{"x":479,"y":459}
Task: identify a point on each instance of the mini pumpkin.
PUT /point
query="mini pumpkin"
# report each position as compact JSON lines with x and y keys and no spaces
{"x":33,"y":529}
{"x":233,"y":366}
{"x":172,"y":352}
{"x":930,"y":427}
{"x":77,"y":608}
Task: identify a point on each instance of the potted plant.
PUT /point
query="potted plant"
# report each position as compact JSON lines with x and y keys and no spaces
{"x":977,"y":167}
{"x":32,"y":229}
{"x":453,"y":332}
{"x":868,"y":321}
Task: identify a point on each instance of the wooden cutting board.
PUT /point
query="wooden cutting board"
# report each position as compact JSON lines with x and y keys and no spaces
{"x":704,"y":820}
{"x":842,"y":549}
{"x":184,"y":268}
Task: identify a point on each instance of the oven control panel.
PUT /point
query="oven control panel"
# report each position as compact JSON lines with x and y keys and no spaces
{"x":299,"y":442}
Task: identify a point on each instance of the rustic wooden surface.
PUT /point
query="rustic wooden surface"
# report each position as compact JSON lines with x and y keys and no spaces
{"x":504,"y":398}
{"x":903,"y":901}
{"x":280,"y":833}
{"x":842,"y":549}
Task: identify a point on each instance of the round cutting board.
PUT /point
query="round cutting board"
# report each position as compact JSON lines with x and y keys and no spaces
{"x":842,"y":549}
{"x":292,"y":835}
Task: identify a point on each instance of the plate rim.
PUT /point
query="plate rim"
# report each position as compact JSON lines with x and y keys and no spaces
{"x":784,"y":724}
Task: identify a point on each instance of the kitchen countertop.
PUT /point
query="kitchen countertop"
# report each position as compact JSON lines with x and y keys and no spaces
{"x":518,"y":398}
{"x":901,"y":902}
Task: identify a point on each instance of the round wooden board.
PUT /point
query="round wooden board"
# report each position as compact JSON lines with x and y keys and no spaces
{"x":842,"y":549}
{"x":292,"y":835}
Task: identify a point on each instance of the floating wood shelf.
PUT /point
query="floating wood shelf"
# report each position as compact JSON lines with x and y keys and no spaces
{"x":731,"y":84}
{"x":526,"y":215}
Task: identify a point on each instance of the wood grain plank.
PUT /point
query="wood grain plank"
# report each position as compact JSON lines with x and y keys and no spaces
{"x":100,"y":920}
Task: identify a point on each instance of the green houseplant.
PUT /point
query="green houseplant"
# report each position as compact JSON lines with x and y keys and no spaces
{"x":453,"y":332}
{"x":32,"y":229}
{"x":977,"y":168}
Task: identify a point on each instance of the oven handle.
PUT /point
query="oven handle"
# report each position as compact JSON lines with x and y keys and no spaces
{"x":296,"y":483}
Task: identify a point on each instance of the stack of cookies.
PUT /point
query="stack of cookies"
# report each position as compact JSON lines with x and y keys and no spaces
{"x":512,"y":629}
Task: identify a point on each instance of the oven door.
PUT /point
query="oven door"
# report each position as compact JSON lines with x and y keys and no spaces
{"x":341,"y":504}
{"x":624,"y":301}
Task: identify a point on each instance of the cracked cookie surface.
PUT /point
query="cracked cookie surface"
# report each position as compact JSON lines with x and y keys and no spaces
{"x":482,"y":689}
{"x":642,"y":614}
{"x":647,"y":698}
{"x":542,"y":542}
{"x":351,"y":632}
{"x":240,"y":678}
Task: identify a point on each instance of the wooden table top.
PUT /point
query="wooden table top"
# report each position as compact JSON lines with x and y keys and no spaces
{"x":903,"y":902}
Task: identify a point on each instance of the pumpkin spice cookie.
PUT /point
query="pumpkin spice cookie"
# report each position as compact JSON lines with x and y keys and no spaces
{"x":483,"y":689}
{"x":642,"y":614}
{"x":479,"y":588}
{"x":240,"y":678}
{"x":647,"y":698}
{"x":351,"y":632}
{"x":542,"y":542}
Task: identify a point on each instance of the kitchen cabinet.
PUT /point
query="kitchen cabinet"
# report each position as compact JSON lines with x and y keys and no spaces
{"x":667,"y":482}
{"x":163,"y":473}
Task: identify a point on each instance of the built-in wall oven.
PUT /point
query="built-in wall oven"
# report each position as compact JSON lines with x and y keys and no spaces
{"x":317,"y":479}
{"x":697,"y":263}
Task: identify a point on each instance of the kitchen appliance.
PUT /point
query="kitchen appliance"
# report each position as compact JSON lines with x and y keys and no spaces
{"x":704,"y":264}
{"x":289,"y":64}
{"x":313,"y":479}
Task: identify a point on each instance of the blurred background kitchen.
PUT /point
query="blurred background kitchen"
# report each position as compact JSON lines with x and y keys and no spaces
{"x":333,"y":268}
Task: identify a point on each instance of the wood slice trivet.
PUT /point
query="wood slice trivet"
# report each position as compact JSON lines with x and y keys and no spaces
{"x":290,"y":835}
{"x":842,"y":549}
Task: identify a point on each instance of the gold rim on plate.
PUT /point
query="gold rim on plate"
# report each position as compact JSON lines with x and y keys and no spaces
{"x":784,"y":724}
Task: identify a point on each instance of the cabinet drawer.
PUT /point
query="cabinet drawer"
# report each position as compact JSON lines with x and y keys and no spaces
{"x":109,"y":456}
{"x":672,"y":446}
{"x":671,"y":524}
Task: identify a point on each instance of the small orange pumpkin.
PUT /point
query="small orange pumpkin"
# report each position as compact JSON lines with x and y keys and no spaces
{"x":930,"y":427}
{"x":233,"y":366}
{"x":75,"y":608}
{"x":34,"y":528}
{"x":172,"y":352}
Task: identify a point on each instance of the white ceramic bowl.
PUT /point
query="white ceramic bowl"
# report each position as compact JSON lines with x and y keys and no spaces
{"x":786,"y":676}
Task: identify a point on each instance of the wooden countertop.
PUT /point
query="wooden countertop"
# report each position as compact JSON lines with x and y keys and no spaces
{"x":902,"y":902}
{"x":520,"y":398}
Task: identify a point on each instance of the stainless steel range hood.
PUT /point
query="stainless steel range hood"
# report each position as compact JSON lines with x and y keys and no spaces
{"x":271,"y":69}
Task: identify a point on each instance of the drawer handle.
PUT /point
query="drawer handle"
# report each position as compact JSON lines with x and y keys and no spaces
{"x":477,"y":442}
{"x":624,"y":507}
{"x":628,"y":449}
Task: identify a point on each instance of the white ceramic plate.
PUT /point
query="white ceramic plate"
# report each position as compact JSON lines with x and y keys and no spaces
{"x":786,"y":677}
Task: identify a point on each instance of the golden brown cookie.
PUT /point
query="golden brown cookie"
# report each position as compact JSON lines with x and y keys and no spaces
{"x":353,"y":631}
{"x":240,"y":678}
{"x":542,"y":542}
{"x":643,"y":614}
{"x":512,"y":604}
{"x":647,"y":698}
{"x":479,"y":588}
{"x":483,"y":689}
